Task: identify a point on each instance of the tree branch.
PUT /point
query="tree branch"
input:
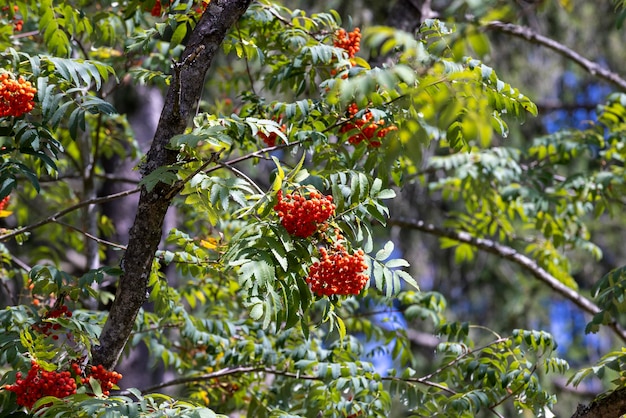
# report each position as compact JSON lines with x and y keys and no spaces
{"x":511,"y":254}
{"x":611,"y":405}
{"x":528,"y":34}
{"x":91,"y":236}
{"x":55,"y":216}
{"x":269,"y":370}
{"x":145,"y":234}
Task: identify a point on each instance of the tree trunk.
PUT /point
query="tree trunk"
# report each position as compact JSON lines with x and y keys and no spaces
{"x":145,"y":234}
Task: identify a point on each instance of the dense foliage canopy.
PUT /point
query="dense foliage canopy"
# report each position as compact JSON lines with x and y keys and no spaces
{"x":239,"y":197}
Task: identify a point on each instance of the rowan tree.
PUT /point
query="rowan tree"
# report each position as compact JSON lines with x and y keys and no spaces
{"x":260,"y":260}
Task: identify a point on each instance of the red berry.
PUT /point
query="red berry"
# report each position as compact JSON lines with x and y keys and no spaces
{"x":47,"y":328}
{"x":301,"y":216}
{"x":363,"y":128}
{"x":270,"y":139}
{"x":40,"y":383}
{"x":157,"y":9}
{"x":16,"y":96}
{"x":4,"y":202}
{"x":349,"y":41}
{"x":338,"y":272}
{"x":107,"y":379}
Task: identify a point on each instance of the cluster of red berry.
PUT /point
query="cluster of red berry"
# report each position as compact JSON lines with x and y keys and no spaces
{"x":157,"y":9}
{"x":107,"y":379}
{"x":48,"y":328}
{"x":338,"y":272}
{"x":202,"y":7}
{"x":18,"y":24}
{"x":270,"y":139}
{"x":349,"y":41}
{"x":301,"y":215}
{"x":39,"y":383}
{"x":16,"y":96}
{"x":364,"y":128}
{"x":4,"y":203}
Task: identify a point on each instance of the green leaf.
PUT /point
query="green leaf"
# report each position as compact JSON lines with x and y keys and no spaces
{"x":163,"y":174}
{"x":179,"y":35}
{"x":256,"y":312}
{"x":385,"y":252}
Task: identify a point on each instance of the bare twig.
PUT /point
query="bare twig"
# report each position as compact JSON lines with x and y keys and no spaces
{"x":511,"y":254}
{"x":528,"y":34}
{"x":243,"y":175}
{"x":178,"y":186}
{"x":462,"y":356}
{"x":246,"y":60}
{"x":20,"y":263}
{"x":91,"y":236}
{"x":12,"y":295}
{"x":269,"y":370}
{"x":70,"y":209}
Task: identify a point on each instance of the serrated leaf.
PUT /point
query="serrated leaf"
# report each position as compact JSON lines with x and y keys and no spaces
{"x":385,"y":252}
{"x":407,"y":278}
{"x":386,"y":194}
{"x":179,"y":35}
{"x":256,"y":312}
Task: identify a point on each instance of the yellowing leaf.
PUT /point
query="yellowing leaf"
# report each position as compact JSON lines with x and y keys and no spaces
{"x":210,"y":243}
{"x":567,"y":4}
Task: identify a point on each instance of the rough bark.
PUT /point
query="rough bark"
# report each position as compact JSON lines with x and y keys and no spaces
{"x":611,"y":405}
{"x":145,"y":234}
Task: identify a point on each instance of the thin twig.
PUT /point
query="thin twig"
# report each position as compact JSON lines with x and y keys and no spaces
{"x":12,"y":295}
{"x":55,"y":216}
{"x":242,"y":175}
{"x":256,"y":154}
{"x":90,"y":236}
{"x":246,"y":60}
{"x":215,"y":156}
{"x":421,"y":381}
{"x":20,"y":263}
{"x":511,"y":254}
{"x":269,"y":370}
{"x":528,"y":34}
{"x":462,"y":356}
{"x":516,"y":391}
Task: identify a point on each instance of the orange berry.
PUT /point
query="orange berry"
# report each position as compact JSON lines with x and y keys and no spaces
{"x":302,"y":216}
{"x":338,"y":272}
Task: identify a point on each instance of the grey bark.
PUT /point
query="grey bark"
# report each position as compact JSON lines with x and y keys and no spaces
{"x":142,"y":106}
{"x":145,"y":234}
{"x":611,"y":405}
